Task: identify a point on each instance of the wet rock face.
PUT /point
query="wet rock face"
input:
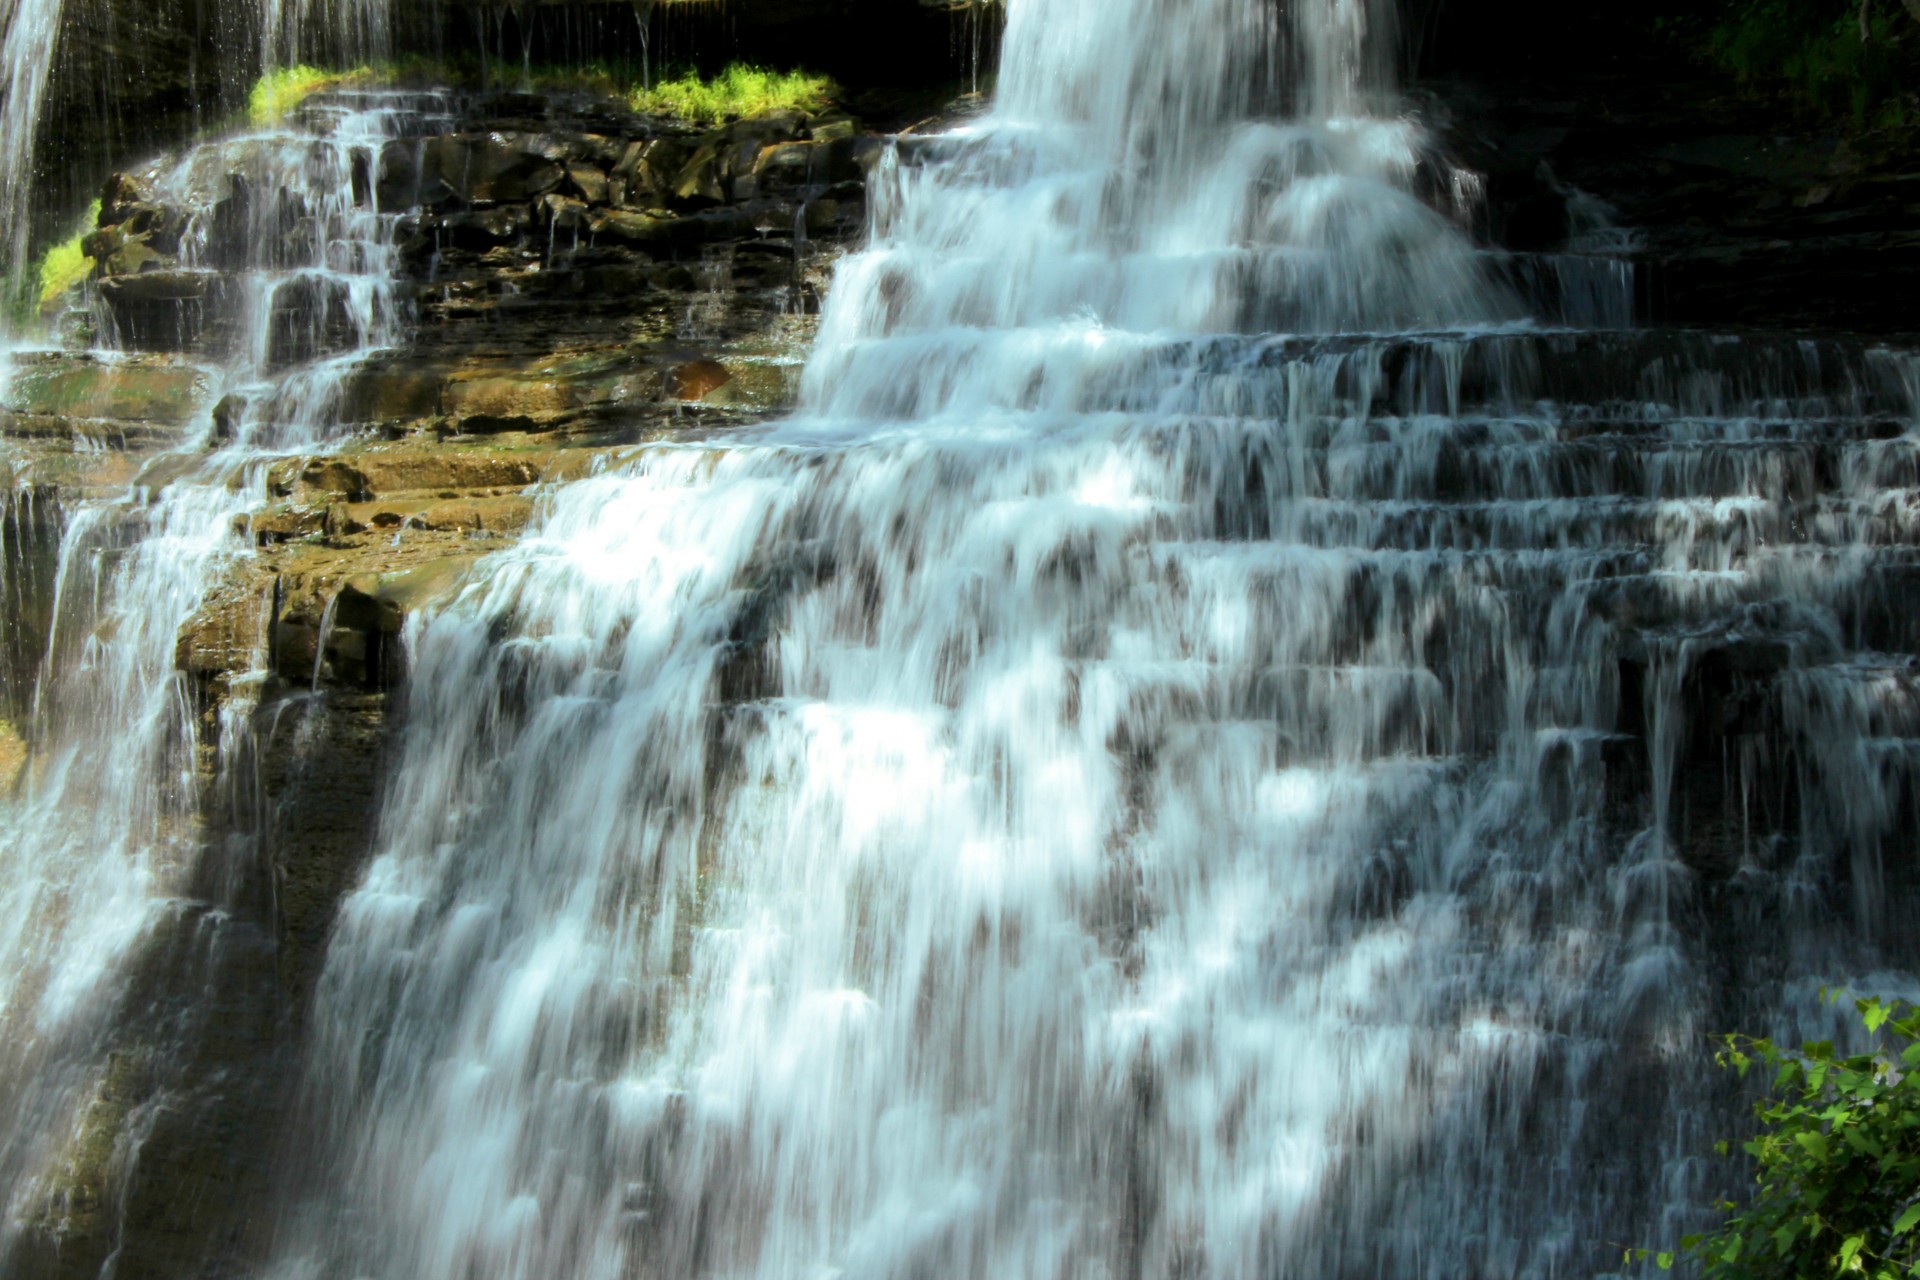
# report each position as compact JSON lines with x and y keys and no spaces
{"x":571,"y":302}
{"x":1735,"y":211}
{"x":570,"y":205}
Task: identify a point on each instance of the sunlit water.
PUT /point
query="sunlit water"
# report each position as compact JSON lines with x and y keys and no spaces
{"x":102,"y":834}
{"x":1170,"y":766}
{"x":29,"y":32}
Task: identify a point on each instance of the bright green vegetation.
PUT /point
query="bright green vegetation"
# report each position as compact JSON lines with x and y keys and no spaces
{"x":63,"y":265}
{"x":735,"y":93}
{"x":1837,"y":1162}
{"x":277,"y":93}
{"x":1815,"y":50}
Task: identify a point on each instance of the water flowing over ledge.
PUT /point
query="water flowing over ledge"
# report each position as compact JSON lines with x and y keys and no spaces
{"x":1237,"y":731}
{"x":1142,"y":776}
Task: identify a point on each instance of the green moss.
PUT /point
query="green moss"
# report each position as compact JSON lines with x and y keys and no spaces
{"x":735,"y":93}
{"x":277,"y":93}
{"x":64,"y":265}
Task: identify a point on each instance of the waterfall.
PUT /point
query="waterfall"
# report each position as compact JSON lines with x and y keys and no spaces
{"x":97,"y":849}
{"x":1189,"y":757}
{"x":31,"y":30}
{"x":329,"y":33}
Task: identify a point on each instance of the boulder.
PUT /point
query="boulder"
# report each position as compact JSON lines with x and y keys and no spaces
{"x":588,"y":182}
{"x":506,"y":516}
{"x":563,"y":213}
{"x":508,"y":403}
{"x":230,"y":231}
{"x":123,"y":194}
{"x":309,"y":316}
{"x":282,"y":523}
{"x":482,"y":229}
{"x":786,"y":166}
{"x":705,"y":177}
{"x":382,"y":601}
{"x":835,"y":129}
{"x":393,"y":393}
{"x":318,"y":480}
{"x":228,"y":416}
{"x":164,"y":309}
{"x":491,"y":168}
{"x":397,"y":177}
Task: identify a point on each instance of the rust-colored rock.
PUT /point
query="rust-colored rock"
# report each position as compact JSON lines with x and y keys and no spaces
{"x":697,"y":379}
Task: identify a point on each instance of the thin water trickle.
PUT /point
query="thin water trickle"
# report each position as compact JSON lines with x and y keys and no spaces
{"x":1182,"y":761}
{"x":326,"y":33}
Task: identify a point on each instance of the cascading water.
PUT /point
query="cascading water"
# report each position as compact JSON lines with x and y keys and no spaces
{"x":327,"y":32}
{"x":102,"y":836}
{"x":1171,"y":766}
{"x":26,"y":61}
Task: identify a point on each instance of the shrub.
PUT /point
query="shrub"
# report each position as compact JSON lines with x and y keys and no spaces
{"x":1837,"y":1161}
{"x":1814,"y":47}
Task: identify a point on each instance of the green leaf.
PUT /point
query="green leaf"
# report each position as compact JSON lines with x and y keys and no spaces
{"x":1665,"y":1261}
{"x":1850,"y":1250}
{"x":1873,"y":1013}
{"x":1814,"y":1142}
{"x":1907,"y":1220}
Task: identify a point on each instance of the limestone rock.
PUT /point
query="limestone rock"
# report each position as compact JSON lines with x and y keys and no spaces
{"x":134,"y":389}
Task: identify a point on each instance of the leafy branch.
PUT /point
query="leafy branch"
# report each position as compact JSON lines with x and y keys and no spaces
{"x":1837,"y":1162}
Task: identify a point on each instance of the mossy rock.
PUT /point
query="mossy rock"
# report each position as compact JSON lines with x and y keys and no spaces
{"x":128,"y":390}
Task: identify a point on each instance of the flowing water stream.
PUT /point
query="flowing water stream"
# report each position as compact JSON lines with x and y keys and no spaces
{"x":1237,"y":734}
{"x":98,"y":844}
{"x":31,"y":29}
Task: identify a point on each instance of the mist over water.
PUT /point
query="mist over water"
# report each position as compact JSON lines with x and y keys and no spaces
{"x":1167,"y":767}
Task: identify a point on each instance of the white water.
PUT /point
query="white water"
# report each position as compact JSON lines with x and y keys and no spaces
{"x":103,"y":835}
{"x":31,"y":30}
{"x":1138,"y":780}
{"x":327,"y":33}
